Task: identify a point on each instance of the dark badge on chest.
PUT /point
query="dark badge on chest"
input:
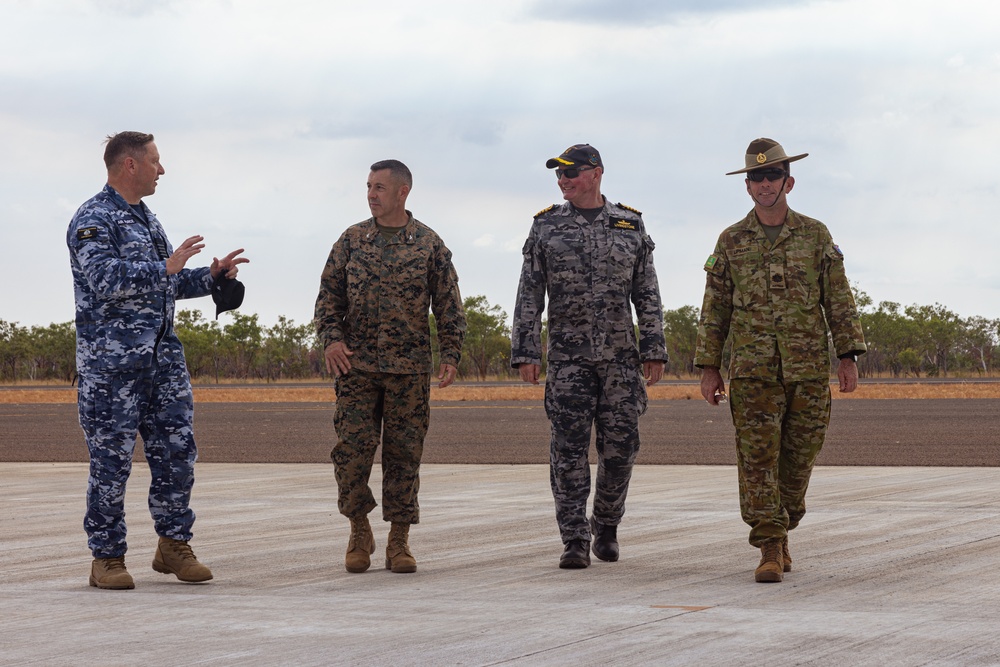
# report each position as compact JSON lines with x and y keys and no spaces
{"x":777,"y":276}
{"x":622,"y":223}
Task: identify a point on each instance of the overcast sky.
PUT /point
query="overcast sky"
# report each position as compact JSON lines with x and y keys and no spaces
{"x":267,"y":116}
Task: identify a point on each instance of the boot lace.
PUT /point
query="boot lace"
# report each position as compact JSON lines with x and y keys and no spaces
{"x":771,"y":551}
{"x":182,"y":550}
{"x":114,"y":564}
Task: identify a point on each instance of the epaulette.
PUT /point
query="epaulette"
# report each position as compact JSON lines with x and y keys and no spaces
{"x":545,"y":210}
{"x":629,"y":208}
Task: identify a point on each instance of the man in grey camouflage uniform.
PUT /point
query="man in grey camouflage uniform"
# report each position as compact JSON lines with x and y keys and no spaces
{"x":133,"y":378}
{"x":775,"y":286}
{"x":593,"y":258}
{"x":381,"y":279}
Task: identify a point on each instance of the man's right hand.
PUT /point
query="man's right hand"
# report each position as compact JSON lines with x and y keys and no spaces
{"x":337,"y":361}
{"x":191,"y":247}
{"x":529,"y":372}
{"x":712,"y":385}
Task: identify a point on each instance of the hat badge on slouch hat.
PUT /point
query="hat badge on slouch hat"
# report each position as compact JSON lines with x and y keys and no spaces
{"x":577,"y":155}
{"x":763,"y":153}
{"x":227,"y":293}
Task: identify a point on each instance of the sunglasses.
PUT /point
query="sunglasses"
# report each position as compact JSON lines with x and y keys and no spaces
{"x":572,"y":172}
{"x":758,"y":175}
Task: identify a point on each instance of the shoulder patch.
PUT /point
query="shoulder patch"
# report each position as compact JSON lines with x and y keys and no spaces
{"x":86,"y":233}
{"x":712,"y":259}
{"x":629,"y":208}
{"x":836,"y":249}
{"x":545,"y":210}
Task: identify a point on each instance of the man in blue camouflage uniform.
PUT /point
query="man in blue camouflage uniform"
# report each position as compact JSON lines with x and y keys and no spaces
{"x":133,"y":379}
{"x":593,"y":259}
{"x":382,"y":278}
{"x":775,"y":286}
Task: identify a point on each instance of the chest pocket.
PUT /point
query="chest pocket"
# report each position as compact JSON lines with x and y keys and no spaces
{"x":623,"y":252}
{"x":750,"y":278}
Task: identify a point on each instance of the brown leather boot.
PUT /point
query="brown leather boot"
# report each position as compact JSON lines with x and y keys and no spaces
{"x":360,"y":546}
{"x":397,"y":553}
{"x":771,"y":565}
{"x":110,"y":573}
{"x":175,"y":557}
{"x":786,"y":558}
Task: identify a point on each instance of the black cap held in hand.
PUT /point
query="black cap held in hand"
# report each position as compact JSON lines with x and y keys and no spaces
{"x":227,"y":293}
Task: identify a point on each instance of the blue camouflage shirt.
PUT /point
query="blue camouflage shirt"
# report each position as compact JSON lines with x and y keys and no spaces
{"x":124,"y":297}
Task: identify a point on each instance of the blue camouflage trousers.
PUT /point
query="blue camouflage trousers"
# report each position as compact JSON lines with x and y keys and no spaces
{"x":156,"y":403}
{"x":780,"y":428}
{"x":391,"y":408}
{"x":578,"y":395}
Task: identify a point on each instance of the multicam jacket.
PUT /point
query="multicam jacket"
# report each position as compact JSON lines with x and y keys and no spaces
{"x":777,"y":302}
{"x":375,"y":296}
{"x":124,"y":297}
{"x":591,"y":272}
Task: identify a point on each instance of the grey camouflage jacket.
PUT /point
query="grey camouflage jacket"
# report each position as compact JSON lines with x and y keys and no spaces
{"x":124,"y":297}
{"x":375,"y":296}
{"x":592,"y":273}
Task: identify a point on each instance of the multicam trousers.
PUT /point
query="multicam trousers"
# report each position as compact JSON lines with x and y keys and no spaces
{"x":780,"y":428}
{"x":158,"y":405}
{"x":393,"y":408}
{"x":577,"y":395}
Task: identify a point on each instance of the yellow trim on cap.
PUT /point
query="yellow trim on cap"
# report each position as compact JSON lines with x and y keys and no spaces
{"x":559,"y":159}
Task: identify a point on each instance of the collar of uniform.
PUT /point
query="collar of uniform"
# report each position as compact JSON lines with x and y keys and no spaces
{"x":752,"y":223}
{"x":409,"y":229}
{"x":123,"y":205}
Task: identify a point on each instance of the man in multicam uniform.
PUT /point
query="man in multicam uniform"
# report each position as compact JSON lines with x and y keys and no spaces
{"x":775,"y":285}
{"x":133,"y":379}
{"x":382,"y":277}
{"x":593,"y":258}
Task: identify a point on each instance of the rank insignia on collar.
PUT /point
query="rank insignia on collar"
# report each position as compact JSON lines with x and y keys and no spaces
{"x":86,"y":233}
{"x":622,"y":223}
{"x":545,"y":210}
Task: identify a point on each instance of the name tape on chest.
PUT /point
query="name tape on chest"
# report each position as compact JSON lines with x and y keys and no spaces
{"x":622,"y":223}
{"x":743,"y":250}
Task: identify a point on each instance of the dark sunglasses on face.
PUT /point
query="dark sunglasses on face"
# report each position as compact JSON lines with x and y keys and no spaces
{"x":758,"y":175}
{"x":572,"y":172}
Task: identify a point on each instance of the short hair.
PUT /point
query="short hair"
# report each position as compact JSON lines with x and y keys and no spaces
{"x":399,"y":170}
{"x":124,"y":144}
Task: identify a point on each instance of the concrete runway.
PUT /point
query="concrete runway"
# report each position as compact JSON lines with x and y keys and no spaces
{"x":893,"y":567}
{"x":921,"y":432}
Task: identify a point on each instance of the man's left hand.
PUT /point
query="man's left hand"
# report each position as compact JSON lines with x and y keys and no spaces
{"x":446,"y":375}
{"x":652,"y":371}
{"x":228,"y":265}
{"x":847,"y":373}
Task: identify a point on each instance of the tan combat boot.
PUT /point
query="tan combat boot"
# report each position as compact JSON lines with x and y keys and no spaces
{"x":360,"y":546}
{"x":110,"y":573}
{"x":771,"y":565}
{"x":175,"y":557}
{"x":786,"y":558}
{"x":397,"y":553}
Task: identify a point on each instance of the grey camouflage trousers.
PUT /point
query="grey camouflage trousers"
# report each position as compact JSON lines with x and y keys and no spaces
{"x":780,"y":428}
{"x":391,"y":408}
{"x":611,"y":396}
{"x":157,"y":404}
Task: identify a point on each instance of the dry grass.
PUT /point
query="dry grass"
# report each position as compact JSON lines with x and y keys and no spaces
{"x":293,"y":394}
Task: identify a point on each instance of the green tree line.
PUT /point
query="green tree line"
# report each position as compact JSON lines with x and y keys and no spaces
{"x":910,"y":341}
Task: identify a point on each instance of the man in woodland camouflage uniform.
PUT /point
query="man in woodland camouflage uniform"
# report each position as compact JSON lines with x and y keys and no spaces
{"x":133,"y":379}
{"x":775,"y":285}
{"x":382,"y":277}
{"x":593,"y":258}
